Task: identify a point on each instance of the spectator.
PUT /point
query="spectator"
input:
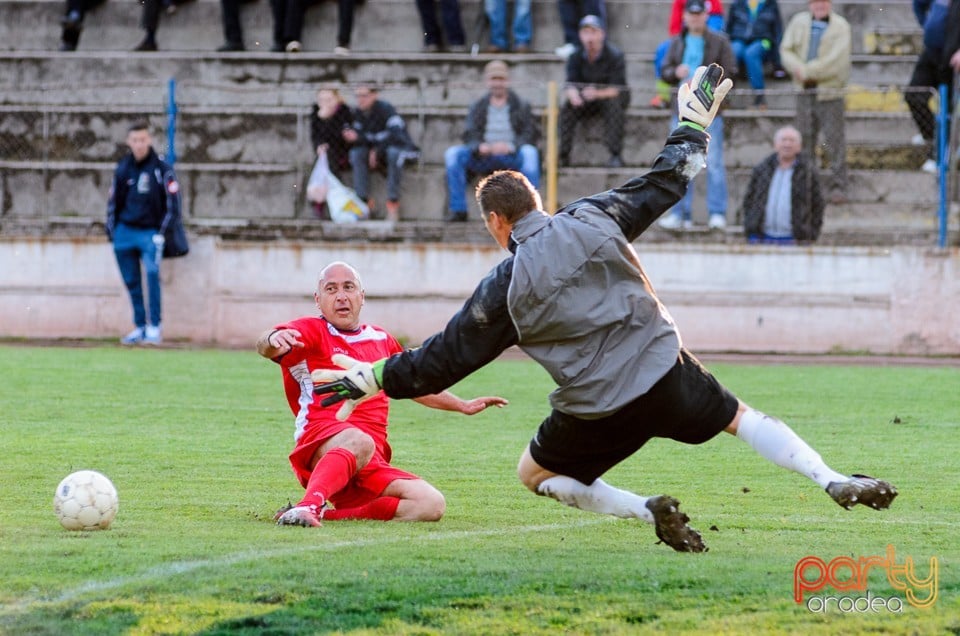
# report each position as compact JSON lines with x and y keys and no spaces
{"x":755,"y":28}
{"x":232,"y":27}
{"x":380,"y":142}
{"x":571,"y":13}
{"x":500,"y":133}
{"x":714,"y":21}
{"x":699,"y":46}
{"x":330,"y":121}
{"x":72,"y":22}
{"x":347,"y":464}
{"x":144,"y":200}
{"x":288,"y":25}
{"x":433,"y":40}
{"x":596,"y":85}
{"x":496,"y":11}
{"x":816,"y":51}
{"x":783,"y":203}
{"x":931,"y":69}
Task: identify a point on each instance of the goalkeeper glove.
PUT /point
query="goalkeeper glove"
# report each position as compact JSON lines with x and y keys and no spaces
{"x":699,"y":100}
{"x":358,"y":382}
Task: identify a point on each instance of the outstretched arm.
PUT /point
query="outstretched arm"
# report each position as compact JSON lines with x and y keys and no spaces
{"x":447,"y":401}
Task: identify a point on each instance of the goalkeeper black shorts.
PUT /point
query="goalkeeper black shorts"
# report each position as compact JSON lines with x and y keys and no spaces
{"x":687,"y":404}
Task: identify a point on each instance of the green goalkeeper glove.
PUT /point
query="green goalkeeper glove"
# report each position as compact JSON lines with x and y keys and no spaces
{"x":358,"y":381}
{"x":699,"y":100}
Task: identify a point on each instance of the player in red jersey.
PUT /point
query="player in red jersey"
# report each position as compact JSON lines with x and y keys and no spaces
{"x":346,"y":464}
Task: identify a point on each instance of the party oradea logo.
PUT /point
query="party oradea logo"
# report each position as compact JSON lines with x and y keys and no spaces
{"x":850,"y":579}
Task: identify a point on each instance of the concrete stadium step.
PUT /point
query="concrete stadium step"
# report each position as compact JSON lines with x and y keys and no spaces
{"x":266,"y":193}
{"x":637,"y":26}
{"x":228,"y":135}
{"x":263,"y":79}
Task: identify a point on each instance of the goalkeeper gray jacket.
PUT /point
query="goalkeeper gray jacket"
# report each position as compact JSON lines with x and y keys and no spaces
{"x":573,"y":295}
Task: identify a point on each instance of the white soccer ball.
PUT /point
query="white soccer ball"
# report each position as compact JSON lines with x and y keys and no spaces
{"x":86,"y":500}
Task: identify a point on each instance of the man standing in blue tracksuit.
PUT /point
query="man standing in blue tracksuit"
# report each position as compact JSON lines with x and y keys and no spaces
{"x":144,"y":201}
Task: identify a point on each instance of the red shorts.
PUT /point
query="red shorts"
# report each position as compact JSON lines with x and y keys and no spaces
{"x":369,"y":482}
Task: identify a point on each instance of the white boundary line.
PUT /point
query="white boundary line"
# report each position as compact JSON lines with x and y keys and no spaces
{"x":165,"y":571}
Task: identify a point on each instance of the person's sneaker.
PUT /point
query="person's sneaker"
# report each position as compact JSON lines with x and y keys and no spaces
{"x":565,"y":51}
{"x":457,"y":217}
{"x":132,"y":338}
{"x":930,"y":166}
{"x":293,"y":46}
{"x":671,"y":525}
{"x":307,"y":516}
{"x":341,"y":51}
{"x":717,"y":222}
{"x":670,"y":222}
{"x":918,"y":140}
{"x":229,"y":47}
{"x":151,"y":335}
{"x":615,"y":162}
{"x":393,"y":211}
{"x":863,"y":490}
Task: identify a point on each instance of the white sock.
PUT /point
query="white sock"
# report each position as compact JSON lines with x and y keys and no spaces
{"x":598,"y":497}
{"x":775,"y":441}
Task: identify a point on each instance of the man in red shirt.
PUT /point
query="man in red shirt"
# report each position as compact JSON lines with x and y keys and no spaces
{"x":345,"y":465}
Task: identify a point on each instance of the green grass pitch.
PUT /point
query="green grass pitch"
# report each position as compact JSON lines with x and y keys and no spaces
{"x":196,"y":443}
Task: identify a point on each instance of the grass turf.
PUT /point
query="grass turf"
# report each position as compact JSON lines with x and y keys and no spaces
{"x":196,"y":443}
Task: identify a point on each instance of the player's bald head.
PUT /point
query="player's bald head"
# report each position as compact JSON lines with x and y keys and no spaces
{"x":340,"y":270}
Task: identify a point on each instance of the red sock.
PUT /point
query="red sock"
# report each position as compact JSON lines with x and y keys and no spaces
{"x":331,"y":474}
{"x":381,"y":509}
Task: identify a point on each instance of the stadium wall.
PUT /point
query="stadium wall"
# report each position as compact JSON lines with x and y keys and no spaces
{"x":900,"y":300}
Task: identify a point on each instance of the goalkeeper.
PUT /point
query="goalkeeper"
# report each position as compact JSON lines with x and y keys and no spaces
{"x":347,"y":463}
{"x":575,"y":298}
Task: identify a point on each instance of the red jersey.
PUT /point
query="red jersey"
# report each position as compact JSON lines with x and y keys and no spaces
{"x":321,"y":341}
{"x":714,"y":7}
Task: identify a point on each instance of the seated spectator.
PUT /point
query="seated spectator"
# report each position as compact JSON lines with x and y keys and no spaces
{"x":596,"y":85}
{"x":571,"y":12}
{"x":496,"y":11}
{"x":288,"y":25}
{"x":714,"y":21}
{"x":330,"y":119}
{"x":755,"y":28}
{"x":500,"y":134}
{"x":433,"y":39}
{"x":380,"y":142}
{"x":72,"y":22}
{"x":699,"y":46}
{"x":783,"y":202}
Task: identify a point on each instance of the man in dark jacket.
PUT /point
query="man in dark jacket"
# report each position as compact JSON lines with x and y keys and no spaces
{"x":596,"y":85}
{"x":755,"y":30}
{"x":380,"y":141}
{"x":574,"y":296}
{"x":500,"y":133}
{"x":783,"y":202}
{"x":144,"y":201}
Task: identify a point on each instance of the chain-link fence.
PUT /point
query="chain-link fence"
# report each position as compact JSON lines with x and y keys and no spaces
{"x":246,"y":152}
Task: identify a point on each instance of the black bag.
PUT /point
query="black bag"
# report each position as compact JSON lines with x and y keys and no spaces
{"x":175,"y":240}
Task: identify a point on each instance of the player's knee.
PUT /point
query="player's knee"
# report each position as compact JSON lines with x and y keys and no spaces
{"x":433,"y":507}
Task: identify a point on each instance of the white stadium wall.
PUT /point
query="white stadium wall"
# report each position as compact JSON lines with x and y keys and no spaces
{"x":902,"y":300}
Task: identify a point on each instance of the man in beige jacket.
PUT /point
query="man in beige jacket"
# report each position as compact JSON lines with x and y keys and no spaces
{"x":815,"y":50}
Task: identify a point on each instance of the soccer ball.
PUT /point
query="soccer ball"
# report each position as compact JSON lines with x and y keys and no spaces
{"x":86,"y":500}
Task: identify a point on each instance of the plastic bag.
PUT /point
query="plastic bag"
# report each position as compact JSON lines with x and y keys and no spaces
{"x":343,"y":204}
